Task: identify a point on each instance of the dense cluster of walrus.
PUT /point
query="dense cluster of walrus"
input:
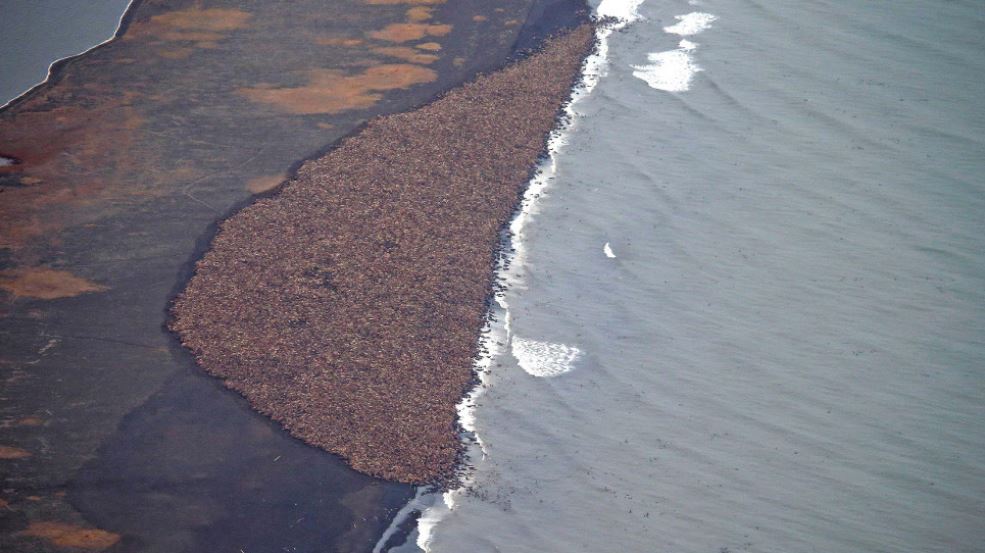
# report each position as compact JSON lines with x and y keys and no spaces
{"x":348,"y":305}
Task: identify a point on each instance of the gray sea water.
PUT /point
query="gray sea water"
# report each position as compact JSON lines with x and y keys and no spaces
{"x":35,"y":33}
{"x":751,"y":315}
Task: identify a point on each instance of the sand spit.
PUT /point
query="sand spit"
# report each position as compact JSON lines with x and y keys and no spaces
{"x":348,"y":306}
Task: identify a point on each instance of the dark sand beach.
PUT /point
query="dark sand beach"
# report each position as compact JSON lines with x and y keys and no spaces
{"x":126,"y":158}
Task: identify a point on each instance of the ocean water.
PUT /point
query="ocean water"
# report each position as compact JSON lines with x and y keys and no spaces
{"x":747,"y":309}
{"x":36,"y":33}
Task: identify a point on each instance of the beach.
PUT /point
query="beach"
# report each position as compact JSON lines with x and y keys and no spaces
{"x":123,"y":163}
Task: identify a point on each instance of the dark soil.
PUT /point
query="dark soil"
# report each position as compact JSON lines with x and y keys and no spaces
{"x":348,"y":306}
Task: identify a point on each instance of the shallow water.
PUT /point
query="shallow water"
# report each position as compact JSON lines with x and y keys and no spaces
{"x":772,"y":273}
{"x":35,"y":33}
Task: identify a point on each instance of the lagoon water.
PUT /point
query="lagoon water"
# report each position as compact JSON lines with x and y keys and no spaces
{"x":763,"y":238}
{"x":35,"y":33}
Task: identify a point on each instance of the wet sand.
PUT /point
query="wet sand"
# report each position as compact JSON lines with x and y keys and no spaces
{"x":126,"y":159}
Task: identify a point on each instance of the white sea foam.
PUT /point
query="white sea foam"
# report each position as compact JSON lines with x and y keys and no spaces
{"x":671,"y":71}
{"x":607,"y":250}
{"x":626,"y":11}
{"x":622,"y":13}
{"x":544,"y":359}
{"x":510,"y":269}
{"x":418,"y":503}
{"x":4,"y":161}
{"x":691,"y":23}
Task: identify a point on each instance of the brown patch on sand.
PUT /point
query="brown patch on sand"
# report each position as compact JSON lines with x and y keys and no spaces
{"x":479,"y":18}
{"x":419,"y":13}
{"x":202,"y":26}
{"x":75,"y":151}
{"x":69,"y":535}
{"x":207,"y":19}
{"x":9,"y":452}
{"x":260,"y":184}
{"x":44,"y":283}
{"x":429,"y":46}
{"x":338,"y":41}
{"x":348,"y":306}
{"x":30,"y":421}
{"x":405,"y":32}
{"x":406,"y":54}
{"x":331,"y":91}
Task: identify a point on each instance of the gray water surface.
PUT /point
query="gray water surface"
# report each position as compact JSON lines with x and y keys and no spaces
{"x":786,"y":353}
{"x":35,"y":33}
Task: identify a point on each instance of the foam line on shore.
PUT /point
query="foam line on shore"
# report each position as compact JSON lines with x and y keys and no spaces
{"x":613,"y":15}
{"x":52,"y":65}
{"x":417,"y":504}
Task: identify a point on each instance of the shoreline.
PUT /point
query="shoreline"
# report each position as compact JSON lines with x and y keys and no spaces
{"x":56,"y":66}
{"x":221,"y":329}
{"x":496,"y":336}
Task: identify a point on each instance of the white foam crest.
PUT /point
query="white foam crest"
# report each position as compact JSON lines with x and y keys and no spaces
{"x":620,"y":13}
{"x":418,"y":503}
{"x":544,"y":359}
{"x":627,"y":11}
{"x":691,"y":23}
{"x":509,"y":268}
{"x":607,"y":250}
{"x":671,"y":71}
{"x":429,"y":519}
{"x":687,"y":45}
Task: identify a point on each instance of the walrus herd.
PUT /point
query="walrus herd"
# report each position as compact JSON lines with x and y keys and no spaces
{"x":348,"y":304}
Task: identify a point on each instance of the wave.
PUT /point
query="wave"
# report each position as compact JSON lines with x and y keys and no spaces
{"x":673,"y":70}
{"x":544,"y":359}
{"x":497,"y":335}
{"x":691,"y":23}
{"x":670,"y":71}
